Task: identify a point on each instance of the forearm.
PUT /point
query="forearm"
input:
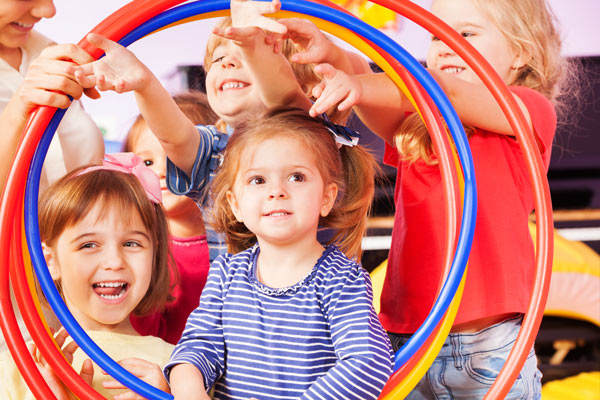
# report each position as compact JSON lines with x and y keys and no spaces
{"x":176,"y":133}
{"x":382,"y":106}
{"x":12,"y":122}
{"x":273,"y":75}
{"x":187,"y":382}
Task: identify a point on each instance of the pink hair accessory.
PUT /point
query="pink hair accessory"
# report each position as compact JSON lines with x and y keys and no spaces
{"x":131,"y":164}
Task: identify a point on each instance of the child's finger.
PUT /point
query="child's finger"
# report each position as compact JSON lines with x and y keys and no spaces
{"x":103,"y":43}
{"x":271,"y":25}
{"x":328,"y":71}
{"x":87,"y":371}
{"x":92,"y":93}
{"x":61,"y":336}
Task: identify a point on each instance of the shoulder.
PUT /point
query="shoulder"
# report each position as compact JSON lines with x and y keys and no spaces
{"x":335,"y":266}
{"x":542,"y":113}
{"x":229,"y":263}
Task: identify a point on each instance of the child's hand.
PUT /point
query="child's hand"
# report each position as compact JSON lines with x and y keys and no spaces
{"x":336,"y":88}
{"x":247,"y":20}
{"x":118,"y":70}
{"x":57,"y":387}
{"x":146,"y":371}
{"x":314,"y":44}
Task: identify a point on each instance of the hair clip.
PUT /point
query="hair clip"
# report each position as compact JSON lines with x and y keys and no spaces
{"x":130,"y":163}
{"x":343,"y":135}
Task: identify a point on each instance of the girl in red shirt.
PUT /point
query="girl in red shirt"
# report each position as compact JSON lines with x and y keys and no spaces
{"x":520,"y":41}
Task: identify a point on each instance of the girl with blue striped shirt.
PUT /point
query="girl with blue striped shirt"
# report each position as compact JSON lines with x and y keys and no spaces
{"x":281,"y":315}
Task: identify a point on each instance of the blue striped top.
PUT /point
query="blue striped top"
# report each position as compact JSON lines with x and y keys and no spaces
{"x":317,"y":339}
{"x":210,"y":149}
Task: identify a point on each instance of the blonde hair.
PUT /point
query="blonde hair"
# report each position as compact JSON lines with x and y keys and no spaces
{"x":352,"y":169}
{"x":305,"y":73}
{"x":193,"y":104}
{"x":531,"y":28}
{"x":69,"y":200}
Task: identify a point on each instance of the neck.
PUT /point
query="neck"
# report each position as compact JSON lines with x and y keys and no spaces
{"x":12,"y":56}
{"x":284,"y":265}
{"x":186,"y":227}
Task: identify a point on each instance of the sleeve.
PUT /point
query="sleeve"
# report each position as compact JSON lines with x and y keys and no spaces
{"x":391,"y":156}
{"x":361,"y":345}
{"x":212,"y":143}
{"x":202,"y":342}
{"x":543,"y":118}
{"x":80,"y":140}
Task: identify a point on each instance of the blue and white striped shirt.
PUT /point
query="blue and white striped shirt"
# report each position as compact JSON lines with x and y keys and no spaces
{"x":318,"y":339}
{"x":212,"y":144}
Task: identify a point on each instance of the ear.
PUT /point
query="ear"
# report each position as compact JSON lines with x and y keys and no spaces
{"x":329,"y":196}
{"x":521,"y":58}
{"x":52,"y":261}
{"x":233,"y":203}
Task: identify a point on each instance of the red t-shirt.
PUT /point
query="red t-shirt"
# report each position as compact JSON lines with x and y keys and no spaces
{"x":191,"y":258}
{"x":502,"y":262}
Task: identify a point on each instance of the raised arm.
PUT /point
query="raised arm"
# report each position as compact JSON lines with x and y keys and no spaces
{"x":316,"y":48}
{"x":121,"y":71}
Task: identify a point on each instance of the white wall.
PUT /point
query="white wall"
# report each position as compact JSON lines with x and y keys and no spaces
{"x":184,"y":44}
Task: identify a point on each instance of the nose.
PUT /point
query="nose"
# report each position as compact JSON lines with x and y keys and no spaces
{"x":160,"y":167}
{"x":442,"y":49}
{"x":112,"y":258}
{"x":43,"y":9}
{"x":230,"y":62}
{"x":277,"y":191}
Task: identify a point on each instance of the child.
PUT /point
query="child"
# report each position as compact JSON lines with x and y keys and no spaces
{"x":186,"y":225}
{"x":240,"y":84}
{"x":520,"y":41}
{"x":285,"y":317}
{"x":105,"y":239}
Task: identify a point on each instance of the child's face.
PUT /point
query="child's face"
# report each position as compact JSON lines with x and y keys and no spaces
{"x":483,"y":34}
{"x":150,"y":150}
{"x":229,"y":87}
{"x":279,"y":193}
{"x":17,"y":18}
{"x":104,"y":266}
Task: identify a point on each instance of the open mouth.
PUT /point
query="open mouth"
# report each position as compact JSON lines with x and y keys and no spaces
{"x":233,"y":85}
{"x":22,"y":26}
{"x":453,"y":70}
{"x":278,"y":214}
{"x":110,"y":290}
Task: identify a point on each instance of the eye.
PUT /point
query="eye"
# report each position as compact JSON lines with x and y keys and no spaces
{"x":466,"y":34}
{"x":434,"y":38}
{"x":218,"y":59}
{"x":132,"y":243}
{"x":88,"y":245}
{"x":297,"y":177}
{"x":256,"y":180}
{"x":148,"y":163}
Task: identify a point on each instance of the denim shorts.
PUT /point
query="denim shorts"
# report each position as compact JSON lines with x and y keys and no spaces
{"x":468,"y":364}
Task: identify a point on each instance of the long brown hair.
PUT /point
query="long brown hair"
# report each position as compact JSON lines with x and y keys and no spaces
{"x":531,"y":28}
{"x":352,"y":169}
{"x":71,"y":198}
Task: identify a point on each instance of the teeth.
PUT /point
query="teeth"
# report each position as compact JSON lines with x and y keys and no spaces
{"x":453,"y":70}
{"x":112,"y":297}
{"x":24,"y":25}
{"x":110,"y":284}
{"x":279,"y":214}
{"x":232,"y":85}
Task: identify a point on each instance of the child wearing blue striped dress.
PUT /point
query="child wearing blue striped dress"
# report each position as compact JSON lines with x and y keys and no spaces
{"x":281,"y":315}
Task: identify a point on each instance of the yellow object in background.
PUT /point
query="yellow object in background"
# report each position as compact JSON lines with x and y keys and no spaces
{"x":583,"y":386}
{"x":373,"y":14}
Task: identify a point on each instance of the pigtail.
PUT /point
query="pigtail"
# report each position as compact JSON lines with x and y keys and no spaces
{"x":350,"y":213}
